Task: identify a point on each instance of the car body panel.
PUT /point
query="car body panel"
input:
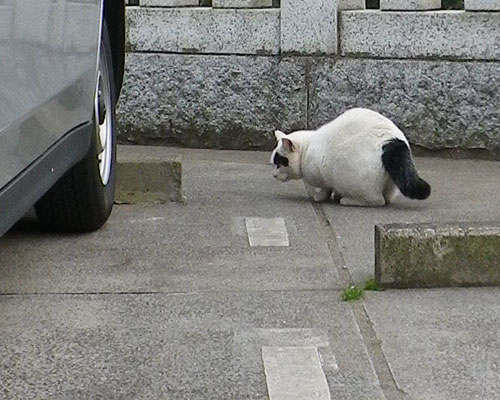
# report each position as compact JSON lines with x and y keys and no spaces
{"x":26,"y":188}
{"x":48,"y":59}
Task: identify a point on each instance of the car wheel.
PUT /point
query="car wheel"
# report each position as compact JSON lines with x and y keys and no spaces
{"x":81,"y":201}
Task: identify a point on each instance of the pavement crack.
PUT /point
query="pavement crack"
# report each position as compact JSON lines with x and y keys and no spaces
{"x":327,"y":232}
{"x":372,"y":342}
{"x":379,"y":361}
{"x":171,"y":293}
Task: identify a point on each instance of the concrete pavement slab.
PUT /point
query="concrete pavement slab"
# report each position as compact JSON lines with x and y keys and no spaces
{"x":462,"y":191}
{"x":294,"y":373}
{"x":199,"y":245}
{"x":171,"y":301}
{"x":249,"y":343}
{"x":440,"y":343}
{"x":166,"y":346}
{"x":267,"y":232}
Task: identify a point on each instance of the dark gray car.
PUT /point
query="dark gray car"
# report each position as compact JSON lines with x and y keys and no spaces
{"x":61,"y":69}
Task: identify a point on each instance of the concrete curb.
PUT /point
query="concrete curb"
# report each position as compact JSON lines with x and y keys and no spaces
{"x":143,"y":178}
{"x":424,"y":255}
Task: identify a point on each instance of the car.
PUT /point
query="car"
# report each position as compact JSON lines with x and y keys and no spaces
{"x":61,"y":72}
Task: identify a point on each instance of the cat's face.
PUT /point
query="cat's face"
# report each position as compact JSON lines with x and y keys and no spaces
{"x":285,"y":158}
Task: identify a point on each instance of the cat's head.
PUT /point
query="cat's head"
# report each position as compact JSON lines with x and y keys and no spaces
{"x":286,"y":158}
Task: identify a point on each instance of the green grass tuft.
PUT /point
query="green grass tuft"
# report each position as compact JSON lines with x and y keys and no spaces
{"x":371,"y":284}
{"x":352,"y":293}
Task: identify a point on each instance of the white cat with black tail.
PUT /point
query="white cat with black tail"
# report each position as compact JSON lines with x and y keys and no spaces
{"x":360,"y":157}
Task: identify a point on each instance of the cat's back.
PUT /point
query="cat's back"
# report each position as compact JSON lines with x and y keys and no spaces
{"x":362,"y":124}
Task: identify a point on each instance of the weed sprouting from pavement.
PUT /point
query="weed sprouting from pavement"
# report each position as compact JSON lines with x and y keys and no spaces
{"x":352,"y":293}
{"x":371,"y":284}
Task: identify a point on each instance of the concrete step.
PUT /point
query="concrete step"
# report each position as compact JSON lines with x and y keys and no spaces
{"x":425,"y":255}
{"x":148,"y":174}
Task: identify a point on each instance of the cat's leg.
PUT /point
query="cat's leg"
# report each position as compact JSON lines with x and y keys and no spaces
{"x":366,"y":193}
{"x":317,"y":194}
{"x":373,"y":201}
{"x":390,"y":191}
{"x":321,"y":194}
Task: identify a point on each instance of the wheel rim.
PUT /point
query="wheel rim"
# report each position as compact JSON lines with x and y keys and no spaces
{"x":104,"y":128}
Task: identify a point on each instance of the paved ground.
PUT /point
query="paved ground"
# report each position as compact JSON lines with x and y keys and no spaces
{"x":171,"y":301}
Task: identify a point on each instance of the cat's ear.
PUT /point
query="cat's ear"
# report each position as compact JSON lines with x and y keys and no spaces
{"x":288,"y":145}
{"x":279,"y":135}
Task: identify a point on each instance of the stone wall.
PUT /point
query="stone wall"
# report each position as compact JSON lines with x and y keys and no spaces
{"x":228,"y":75}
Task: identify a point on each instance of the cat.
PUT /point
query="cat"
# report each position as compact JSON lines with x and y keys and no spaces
{"x":361,"y":158}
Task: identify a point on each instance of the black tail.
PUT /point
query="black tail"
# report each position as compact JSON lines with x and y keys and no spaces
{"x":397,"y":161}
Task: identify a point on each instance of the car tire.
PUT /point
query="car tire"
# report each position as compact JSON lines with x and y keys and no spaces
{"x":82,"y":199}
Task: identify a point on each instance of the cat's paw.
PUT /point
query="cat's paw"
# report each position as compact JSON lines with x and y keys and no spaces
{"x":319,"y":198}
{"x":320,"y":194}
